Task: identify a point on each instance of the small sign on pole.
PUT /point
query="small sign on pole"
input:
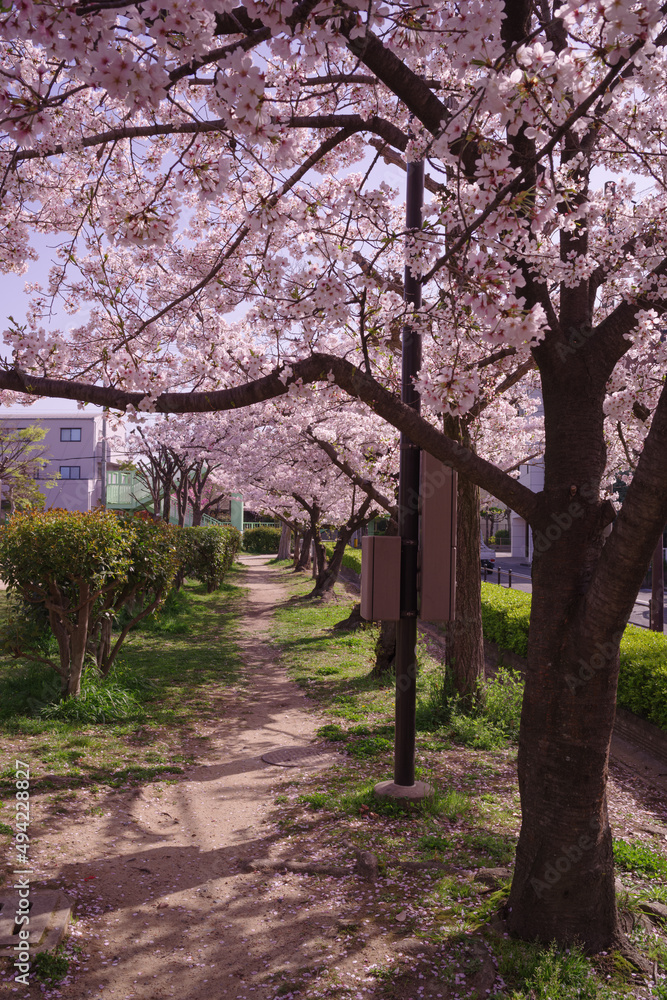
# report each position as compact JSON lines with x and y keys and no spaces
{"x":380,"y":578}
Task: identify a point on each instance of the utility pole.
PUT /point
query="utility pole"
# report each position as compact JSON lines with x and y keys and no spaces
{"x":103,"y":463}
{"x":403,"y":785}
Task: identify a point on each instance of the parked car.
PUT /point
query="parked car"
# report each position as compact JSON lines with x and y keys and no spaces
{"x":488,"y":555}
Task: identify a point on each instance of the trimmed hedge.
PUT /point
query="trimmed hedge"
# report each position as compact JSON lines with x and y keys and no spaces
{"x":505,"y":617}
{"x":642,"y":683}
{"x":261,"y":540}
{"x":206,"y":553}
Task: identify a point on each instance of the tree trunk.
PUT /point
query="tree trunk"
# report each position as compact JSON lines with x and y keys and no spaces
{"x":328,"y":571}
{"x":284,"y":544}
{"x":657,"y":623}
{"x":297,"y":549}
{"x":304,"y":558}
{"x":464,"y":650}
{"x":63,"y":640}
{"x":385,"y":651}
{"x":104,"y":645}
{"x":563,"y":885}
{"x":78,"y":642}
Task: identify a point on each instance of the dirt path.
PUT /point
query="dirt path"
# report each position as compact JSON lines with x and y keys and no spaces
{"x":167,"y":907}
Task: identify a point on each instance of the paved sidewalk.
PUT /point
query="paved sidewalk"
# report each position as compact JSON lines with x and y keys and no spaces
{"x":521,"y":580}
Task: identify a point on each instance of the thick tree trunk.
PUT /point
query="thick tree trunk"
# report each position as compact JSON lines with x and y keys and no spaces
{"x":284,"y":544}
{"x":563,"y":885}
{"x":297,"y":549}
{"x":464,"y":651}
{"x":658,"y":588}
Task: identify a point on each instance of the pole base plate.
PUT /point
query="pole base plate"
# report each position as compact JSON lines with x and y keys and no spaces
{"x":390,"y":790}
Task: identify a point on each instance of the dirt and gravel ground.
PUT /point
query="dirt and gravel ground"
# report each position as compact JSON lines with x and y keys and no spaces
{"x":165,"y":903}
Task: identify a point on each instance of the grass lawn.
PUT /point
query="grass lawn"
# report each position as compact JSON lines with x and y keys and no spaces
{"x":470,"y":823}
{"x":140,"y":724}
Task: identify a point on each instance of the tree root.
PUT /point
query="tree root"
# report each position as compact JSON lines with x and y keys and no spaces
{"x":352,"y":622}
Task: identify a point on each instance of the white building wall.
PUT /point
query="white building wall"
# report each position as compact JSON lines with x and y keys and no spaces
{"x":84,"y":455}
{"x":531,"y":476}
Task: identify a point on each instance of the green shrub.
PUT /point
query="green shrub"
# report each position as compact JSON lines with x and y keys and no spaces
{"x":487,"y":723}
{"x":475,"y":731}
{"x":261,"y":540}
{"x":369,"y":747}
{"x":505,"y":617}
{"x":206,"y":554}
{"x":642,"y":683}
{"x":74,"y":572}
{"x":532,"y":971}
{"x":501,"y":698}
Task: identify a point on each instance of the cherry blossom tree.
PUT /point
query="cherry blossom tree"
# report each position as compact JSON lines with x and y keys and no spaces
{"x":183,"y":460}
{"x":281,"y":469}
{"x":230,"y":233}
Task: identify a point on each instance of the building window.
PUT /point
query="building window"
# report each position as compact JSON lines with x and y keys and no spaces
{"x":70,"y":434}
{"x":70,"y":472}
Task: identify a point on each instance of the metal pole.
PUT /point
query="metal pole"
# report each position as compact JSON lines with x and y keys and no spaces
{"x":657,"y":613}
{"x":509,"y":574}
{"x":103,"y":463}
{"x":408,"y":511}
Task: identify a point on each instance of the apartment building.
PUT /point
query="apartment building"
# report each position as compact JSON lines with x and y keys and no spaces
{"x":77,"y":446}
{"x":531,"y":476}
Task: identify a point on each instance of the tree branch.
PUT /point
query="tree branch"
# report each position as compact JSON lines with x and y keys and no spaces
{"x":354,"y":477}
{"x":316,"y":368}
